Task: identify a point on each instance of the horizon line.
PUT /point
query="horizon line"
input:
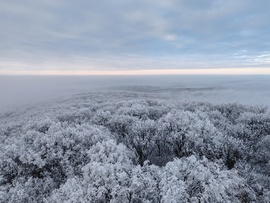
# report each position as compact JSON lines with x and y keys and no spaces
{"x":208,"y":71}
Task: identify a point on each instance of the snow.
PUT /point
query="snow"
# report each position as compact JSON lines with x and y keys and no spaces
{"x":136,"y":145}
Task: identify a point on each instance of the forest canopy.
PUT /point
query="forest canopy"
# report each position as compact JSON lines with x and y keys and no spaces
{"x":134,"y":147}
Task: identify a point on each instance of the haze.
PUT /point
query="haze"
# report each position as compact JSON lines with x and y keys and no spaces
{"x":16,"y":91}
{"x":132,"y":38}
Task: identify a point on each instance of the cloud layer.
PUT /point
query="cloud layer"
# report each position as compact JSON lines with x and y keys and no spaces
{"x":133,"y":35}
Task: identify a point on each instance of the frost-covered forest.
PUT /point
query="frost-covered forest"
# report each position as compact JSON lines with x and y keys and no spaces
{"x":135,"y":147}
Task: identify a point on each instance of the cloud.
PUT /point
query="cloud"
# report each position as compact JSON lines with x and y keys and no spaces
{"x":138,"y":34}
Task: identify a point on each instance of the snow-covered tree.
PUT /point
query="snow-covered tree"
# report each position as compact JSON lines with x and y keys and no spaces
{"x":129,"y":147}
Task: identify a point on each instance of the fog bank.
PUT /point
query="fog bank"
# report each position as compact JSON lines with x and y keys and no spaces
{"x":16,"y":91}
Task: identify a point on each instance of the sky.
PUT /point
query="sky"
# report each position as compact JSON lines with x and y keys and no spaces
{"x":134,"y":37}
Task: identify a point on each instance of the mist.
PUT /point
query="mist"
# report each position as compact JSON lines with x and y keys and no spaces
{"x":18,"y":91}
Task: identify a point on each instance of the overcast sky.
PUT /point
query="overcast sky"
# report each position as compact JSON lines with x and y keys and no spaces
{"x":104,"y":36}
